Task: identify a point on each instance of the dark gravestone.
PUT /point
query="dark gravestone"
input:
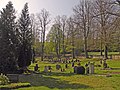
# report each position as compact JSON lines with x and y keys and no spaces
{"x":79,"y":64}
{"x":75,"y":69}
{"x":66,"y":66}
{"x":36,"y":67}
{"x":110,"y":56}
{"x":86,"y":65}
{"x":72,"y":64}
{"x":62,"y":70}
{"x":105,"y":65}
{"x":58,"y":66}
{"x":100,"y":61}
{"x":80,"y":70}
{"x":49,"y":67}
{"x":69,"y":62}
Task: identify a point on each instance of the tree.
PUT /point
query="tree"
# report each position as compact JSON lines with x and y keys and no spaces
{"x":25,"y":39}
{"x":83,"y":18}
{"x":72,"y":33}
{"x":63,"y":24}
{"x":8,"y":40}
{"x":105,"y":21}
{"x":43,"y":19}
{"x":54,"y":37}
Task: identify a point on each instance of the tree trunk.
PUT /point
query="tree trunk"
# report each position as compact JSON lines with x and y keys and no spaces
{"x":42,"y":54}
{"x":63,"y":47}
{"x":106,"y":52}
{"x":85,"y":48}
{"x":73,"y":50}
{"x":101,"y":52}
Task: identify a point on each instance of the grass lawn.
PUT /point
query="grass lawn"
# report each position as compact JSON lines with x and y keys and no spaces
{"x":98,"y":53}
{"x":57,"y":80}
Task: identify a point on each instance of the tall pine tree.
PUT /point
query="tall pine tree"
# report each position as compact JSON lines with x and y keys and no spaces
{"x":8,"y":40}
{"x":25,"y":37}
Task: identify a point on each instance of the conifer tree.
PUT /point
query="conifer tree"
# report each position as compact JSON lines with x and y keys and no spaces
{"x":25,"y":39}
{"x":8,"y":40}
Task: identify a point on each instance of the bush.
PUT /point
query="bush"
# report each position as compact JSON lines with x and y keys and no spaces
{"x":3,"y":80}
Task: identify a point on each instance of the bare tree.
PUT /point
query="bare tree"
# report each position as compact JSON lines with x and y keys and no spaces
{"x":35,"y":28}
{"x":57,"y":27}
{"x":72,"y":29}
{"x":83,"y":18}
{"x":105,"y":20}
{"x":63,"y":24}
{"x":43,"y":18}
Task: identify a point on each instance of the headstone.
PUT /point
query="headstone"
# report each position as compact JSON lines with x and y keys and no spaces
{"x":72,"y":64}
{"x":63,"y":70}
{"x":105,"y":65}
{"x":110,"y":56}
{"x":49,"y":67}
{"x":69,"y":62}
{"x":91,"y":68}
{"x":91,"y":56}
{"x":75,"y":69}
{"x":108,"y":75}
{"x":76,"y":60}
{"x":58,"y":66}
{"x":36,"y":67}
{"x":86,"y":65}
{"x":100,"y":61}
{"x":66,"y":65}
{"x":78,"y":64}
{"x":80,"y":70}
{"x":45,"y":69}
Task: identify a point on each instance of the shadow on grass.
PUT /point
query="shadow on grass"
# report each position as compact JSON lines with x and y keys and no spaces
{"x":37,"y":80}
{"x":57,"y":74}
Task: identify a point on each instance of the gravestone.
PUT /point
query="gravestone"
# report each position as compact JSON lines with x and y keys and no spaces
{"x":58,"y":66}
{"x":49,"y":67}
{"x":36,"y":67}
{"x":66,"y":65}
{"x":45,"y":69}
{"x":100,"y":61}
{"x":86,"y":65}
{"x":79,"y":64}
{"x":110,"y":56}
{"x":72,"y":64}
{"x":69,"y":62}
{"x":79,"y":70}
{"x":105,"y":65}
{"x":62,"y":70}
{"x":91,"y":68}
{"x":75,"y":69}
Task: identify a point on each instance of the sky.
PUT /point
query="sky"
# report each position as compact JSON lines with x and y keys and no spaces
{"x":55,"y":7}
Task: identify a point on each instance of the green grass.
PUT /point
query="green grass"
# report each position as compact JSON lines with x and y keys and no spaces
{"x":72,"y":82}
{"x":98,"y":53}
{"x":14,"y":86}
{"x":57,"y":80}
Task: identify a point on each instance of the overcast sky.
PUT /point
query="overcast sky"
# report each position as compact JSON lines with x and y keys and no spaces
{"x":55,"y":7}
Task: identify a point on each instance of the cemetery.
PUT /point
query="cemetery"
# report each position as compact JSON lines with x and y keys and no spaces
{"x":77,"y":50}
{"x":63,"y":75}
